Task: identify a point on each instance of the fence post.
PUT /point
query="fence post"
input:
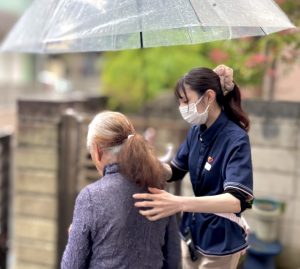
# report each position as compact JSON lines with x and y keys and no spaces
{"x":69,"y":147}
{"x":5,"y":187}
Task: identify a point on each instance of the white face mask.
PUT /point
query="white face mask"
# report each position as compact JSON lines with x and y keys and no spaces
{"x":191,"y":115}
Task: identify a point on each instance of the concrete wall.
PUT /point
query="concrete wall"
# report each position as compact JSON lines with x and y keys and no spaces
{"x":275,"y":138}
{"x":35,"y":218}
{"x":35,"y":202}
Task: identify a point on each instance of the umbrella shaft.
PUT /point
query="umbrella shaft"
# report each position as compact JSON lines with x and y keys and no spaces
{"x":141,"y":40}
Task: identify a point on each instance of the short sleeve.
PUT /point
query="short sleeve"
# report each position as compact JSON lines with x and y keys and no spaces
{"x":78,"y":249}
{"x":181,"y":160}
{"x":238,"y":169}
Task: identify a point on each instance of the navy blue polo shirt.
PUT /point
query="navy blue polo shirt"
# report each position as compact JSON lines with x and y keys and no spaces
{"x":218,"y":159}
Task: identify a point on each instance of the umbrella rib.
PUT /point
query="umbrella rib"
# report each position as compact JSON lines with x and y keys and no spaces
{"x":114,"y":36}
{"x":195,"y":13}
{"x":48,"y":26}
{"x":200,"y":22}
{"x":263,"y":31}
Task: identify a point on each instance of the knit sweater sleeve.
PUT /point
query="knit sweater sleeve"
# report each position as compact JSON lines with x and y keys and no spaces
{"x":78,"y":250}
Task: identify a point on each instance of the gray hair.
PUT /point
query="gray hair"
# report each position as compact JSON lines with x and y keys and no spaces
{"x":101,"y":130}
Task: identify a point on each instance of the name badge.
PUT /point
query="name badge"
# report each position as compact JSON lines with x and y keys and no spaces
{"x":207,"y":166}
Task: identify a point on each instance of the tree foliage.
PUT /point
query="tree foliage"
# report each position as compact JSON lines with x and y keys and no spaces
{"x":135,"y":76}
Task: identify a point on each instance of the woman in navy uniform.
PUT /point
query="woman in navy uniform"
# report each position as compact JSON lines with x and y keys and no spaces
{"x":216,"y":153}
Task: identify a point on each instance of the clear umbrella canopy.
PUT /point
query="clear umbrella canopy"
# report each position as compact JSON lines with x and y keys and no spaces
{"x":58,"y":26}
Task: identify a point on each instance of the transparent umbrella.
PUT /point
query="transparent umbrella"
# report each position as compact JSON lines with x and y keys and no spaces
{"x":59,"y":26}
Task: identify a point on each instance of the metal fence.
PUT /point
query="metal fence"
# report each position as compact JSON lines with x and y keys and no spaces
{"x":5,"y":181}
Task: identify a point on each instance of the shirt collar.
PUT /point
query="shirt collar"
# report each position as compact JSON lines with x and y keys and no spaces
{"x":208,"y":134}
{"x":110,"y":168}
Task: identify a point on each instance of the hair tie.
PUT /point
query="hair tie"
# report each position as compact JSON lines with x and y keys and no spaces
{"x":129,"y":136}
{"x":226,"y":91}
{"x":225,"y":74}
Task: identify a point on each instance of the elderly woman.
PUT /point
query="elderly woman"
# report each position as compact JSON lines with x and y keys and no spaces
{"x":107,"y":230}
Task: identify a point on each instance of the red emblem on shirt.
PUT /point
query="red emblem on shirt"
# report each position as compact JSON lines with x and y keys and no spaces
{"x":210,"y":159}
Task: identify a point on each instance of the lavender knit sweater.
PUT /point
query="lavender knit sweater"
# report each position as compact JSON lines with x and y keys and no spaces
{"x":109,"y":233}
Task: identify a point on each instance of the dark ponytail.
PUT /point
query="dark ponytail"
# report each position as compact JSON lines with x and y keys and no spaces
{"x":139,"y":163}
{"x":233,"y":108}
{"x":200,"y":80}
